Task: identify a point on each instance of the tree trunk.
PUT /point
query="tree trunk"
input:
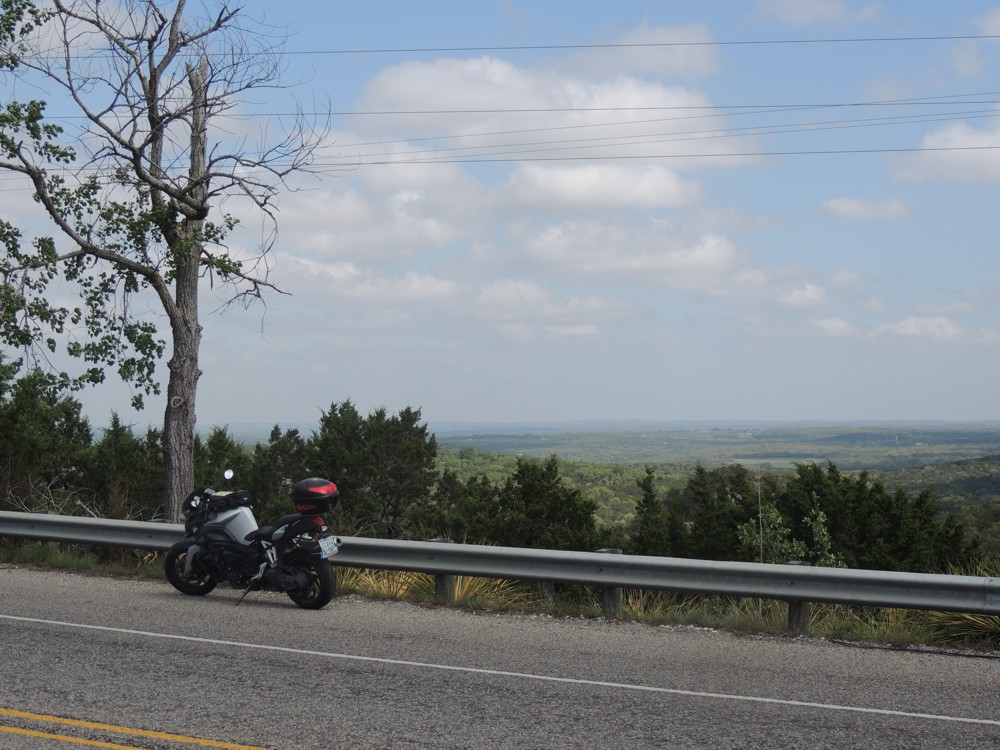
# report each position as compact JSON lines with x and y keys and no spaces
{"x":179,"y":419}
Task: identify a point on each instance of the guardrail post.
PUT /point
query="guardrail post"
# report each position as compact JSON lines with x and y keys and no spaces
{"x":445,"y":584}
{"x":611,"y":598}
{"x":798,"y":611}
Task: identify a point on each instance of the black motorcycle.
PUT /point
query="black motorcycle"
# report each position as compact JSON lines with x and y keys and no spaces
{"x":223,"y":542}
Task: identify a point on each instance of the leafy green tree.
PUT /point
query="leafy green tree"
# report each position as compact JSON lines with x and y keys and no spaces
{"x":141,"y":221}
{"x":336,"y":452}
{"x":219,"y":452}
{"x":44,"y":441}
{"x":678,"y":534}
{"x":459,"y":510}
{"x":767,"y":539}
{"x":719,"y":509}
{"x":652,"y":527}
{"x":537,"y":509}
{"x":400,"y":456}
{"x":383,"y":465}
{"x":123,"y":474}
{"x":820,"y":550}
{"x":868,"y":526}
{"x":275,"y":467}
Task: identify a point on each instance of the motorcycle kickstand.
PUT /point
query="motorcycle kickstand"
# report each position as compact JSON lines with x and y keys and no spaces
{"x":249,"y":588}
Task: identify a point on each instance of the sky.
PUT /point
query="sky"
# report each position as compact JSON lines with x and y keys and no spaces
{"x":669,"y":210}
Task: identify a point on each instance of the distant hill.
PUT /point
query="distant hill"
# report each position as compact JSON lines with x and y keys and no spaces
{"x":851,"y":446}
{"x":876,"y":446}
{"x":955,"y":483}
{"x":653,"y":425}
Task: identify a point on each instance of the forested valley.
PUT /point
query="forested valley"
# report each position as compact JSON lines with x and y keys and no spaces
{"x":397,"y":481}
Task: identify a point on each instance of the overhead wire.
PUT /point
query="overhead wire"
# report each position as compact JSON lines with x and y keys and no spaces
{"x":679,"y":136}
{"x":717,"y":111}
{"x":532,"y":150}
{"x":632,"y":45}
{"x":97,"y":55}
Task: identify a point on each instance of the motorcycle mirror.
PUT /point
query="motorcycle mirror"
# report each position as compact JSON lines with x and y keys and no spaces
{"x":228,"y":474}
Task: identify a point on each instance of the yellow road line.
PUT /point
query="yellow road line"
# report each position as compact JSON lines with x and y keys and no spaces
{"x":64,"y":738}
{"x":122,"y":730}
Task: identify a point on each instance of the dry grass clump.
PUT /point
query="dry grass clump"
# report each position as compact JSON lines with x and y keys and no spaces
{"x":470,"y":591}
{"x":964,"y":628}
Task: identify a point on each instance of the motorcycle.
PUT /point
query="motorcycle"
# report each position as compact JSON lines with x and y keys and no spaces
{"x":222,"y":542}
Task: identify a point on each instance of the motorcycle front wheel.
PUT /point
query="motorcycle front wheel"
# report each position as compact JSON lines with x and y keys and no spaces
{"x":195,"y":583}
{"x":322,"y":581}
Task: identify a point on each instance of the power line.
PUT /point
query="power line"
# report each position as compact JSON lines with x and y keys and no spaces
{"x":623,"y":45}
{"x":529,"y":150}
{"x":752,"y":108}
{"x":640,"y":45}
{"x":340,"y":166}
{"x":689,"y":135}
{"x":634,"y":157}
{"x":898,"y":119}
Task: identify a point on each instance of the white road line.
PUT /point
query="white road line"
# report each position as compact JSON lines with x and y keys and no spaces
{"x":512,"y":675}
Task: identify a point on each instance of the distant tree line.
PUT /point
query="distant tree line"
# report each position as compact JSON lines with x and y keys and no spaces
{"x":818,"y":515}
{"x":386,"y":468}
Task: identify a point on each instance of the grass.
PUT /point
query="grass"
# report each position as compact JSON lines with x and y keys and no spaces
{"x":839,"y":622}
{"x":81,"y":558}
{"x":470,"y":591}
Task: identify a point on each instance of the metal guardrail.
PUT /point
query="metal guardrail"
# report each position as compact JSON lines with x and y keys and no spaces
{"x":84,"y":530}
{"x":796,"y":584}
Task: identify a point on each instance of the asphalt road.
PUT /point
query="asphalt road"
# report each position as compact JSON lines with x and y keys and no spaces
{"x":147,"y":667}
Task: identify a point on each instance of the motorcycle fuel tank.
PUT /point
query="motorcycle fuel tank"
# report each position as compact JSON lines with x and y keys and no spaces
{"x":238,"y":522}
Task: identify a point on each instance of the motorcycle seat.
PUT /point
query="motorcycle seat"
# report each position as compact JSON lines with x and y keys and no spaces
{"x":262,"y":531}
{"x":267,"y":532}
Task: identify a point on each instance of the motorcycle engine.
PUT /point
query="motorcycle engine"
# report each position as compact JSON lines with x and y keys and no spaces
{"x":233,"y":565}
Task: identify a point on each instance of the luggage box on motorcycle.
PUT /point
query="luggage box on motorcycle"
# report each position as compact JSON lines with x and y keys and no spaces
{"x":314,"y":496}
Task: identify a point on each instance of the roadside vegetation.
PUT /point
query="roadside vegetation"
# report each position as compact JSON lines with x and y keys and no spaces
{"x":396,"y":482}
{"x":894,"y":627}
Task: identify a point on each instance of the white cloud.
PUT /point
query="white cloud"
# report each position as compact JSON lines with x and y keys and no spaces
{"x":657,"y":254}
{"x":854,"y":208}
{"x":836,"y":327}
{"x":686,"y":51}
{"x":525,"y":310}
{"x":581,"y":331}
{"x":318,"y":272}
{"x":939,"y":329}
{"x":348,"y":281}
{"x":806,"y":295}
{"x":967,"y":58}
{"x":408,"y":288}
{"x":643,"y":251}
{"x":958,"y":152}
{"x":516,"y":298}
{"x":809,"y":12}
{"x":989,"y":22}
{"x":846,"y":277}
{"x":875,"y":305}
{"x":599,"y":187}
{"x":492,"y":108}
{"x":512,"y":298}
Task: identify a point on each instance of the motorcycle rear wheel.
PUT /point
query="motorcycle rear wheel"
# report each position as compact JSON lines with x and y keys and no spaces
{"x":322,"y":581}
{"x":196,"y":583}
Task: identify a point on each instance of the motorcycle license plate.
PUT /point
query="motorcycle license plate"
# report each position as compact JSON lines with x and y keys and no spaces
{"x":327,"y":546}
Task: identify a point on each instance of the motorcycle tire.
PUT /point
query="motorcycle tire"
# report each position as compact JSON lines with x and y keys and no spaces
{"x":322,"y":581}
{"x":196,"y":583}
